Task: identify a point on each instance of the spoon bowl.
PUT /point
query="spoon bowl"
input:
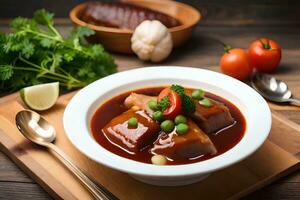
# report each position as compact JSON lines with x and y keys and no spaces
{"x":272,"y":89}
{"x":35,"y":128}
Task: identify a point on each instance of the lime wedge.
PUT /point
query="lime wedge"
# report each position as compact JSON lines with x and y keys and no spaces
{"x":40,"y":97}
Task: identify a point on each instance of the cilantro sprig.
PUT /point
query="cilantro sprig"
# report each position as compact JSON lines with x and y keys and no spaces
{"x":35,"y":52}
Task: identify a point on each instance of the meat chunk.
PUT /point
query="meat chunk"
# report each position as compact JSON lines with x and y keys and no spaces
{"x":213,"y":118}
{"x":131,"y":139}
{"x":140,"y":101}
{"x":123,"y":15}
{"x":210,"y":119}
{"x":189,"y":145}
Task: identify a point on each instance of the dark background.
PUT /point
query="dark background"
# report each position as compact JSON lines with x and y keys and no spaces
{"x":224,"y":12}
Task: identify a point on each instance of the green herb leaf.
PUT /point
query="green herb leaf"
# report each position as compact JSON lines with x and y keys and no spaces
{"x":22,"y":23}
{"x":188,"y":105}
{"x":6,"y":72}
{"x":178,"y":89}
{"x":47,"y":43}
{"x":81,"y":32}
{"x":43,"y":17}
{"x":164,"y":103}
{"x":27,"y":48}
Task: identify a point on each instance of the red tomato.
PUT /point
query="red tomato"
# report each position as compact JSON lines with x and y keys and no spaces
{"x":264,"y":55}
{"x":175,"y":103}
{"x":235,"y":63}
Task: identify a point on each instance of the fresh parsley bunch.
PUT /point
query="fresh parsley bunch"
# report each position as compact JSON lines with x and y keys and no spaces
{"x":35,"y":52}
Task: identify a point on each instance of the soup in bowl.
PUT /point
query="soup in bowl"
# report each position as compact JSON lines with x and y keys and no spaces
{"x":167,"y":125}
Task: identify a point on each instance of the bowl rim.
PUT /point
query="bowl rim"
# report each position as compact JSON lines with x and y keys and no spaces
{"x":94,"y":151}
{"x":78,"y":8}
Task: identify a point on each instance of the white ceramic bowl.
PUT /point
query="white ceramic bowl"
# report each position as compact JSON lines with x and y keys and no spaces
{"x":81,"y":108}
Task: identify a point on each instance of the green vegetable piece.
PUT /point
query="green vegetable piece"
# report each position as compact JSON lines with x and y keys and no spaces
{"x":187,"y":103}
{"x":158,"y":116}
{"x":133,"y":122}
{"x":178,"y":89}
{"x":182,"y":128}
{"x":180,"y":119}
{"x":198,"y":94}
{"x":164,"y":103}
{"x":167,"y":126}
{"x":205,"y":102}
{"x":153,"y":105}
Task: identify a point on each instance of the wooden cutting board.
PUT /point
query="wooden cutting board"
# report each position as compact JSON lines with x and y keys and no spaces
{"x":276,"y":158}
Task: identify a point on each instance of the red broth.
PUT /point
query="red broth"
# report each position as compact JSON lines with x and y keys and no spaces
{"x":223,"y":140}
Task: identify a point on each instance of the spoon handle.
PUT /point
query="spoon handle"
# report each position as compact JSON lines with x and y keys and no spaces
{"x":295,"y":102}
{"x":98,"y":191}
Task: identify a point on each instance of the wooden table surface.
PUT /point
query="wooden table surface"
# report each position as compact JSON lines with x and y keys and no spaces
{"x":204,"y":51}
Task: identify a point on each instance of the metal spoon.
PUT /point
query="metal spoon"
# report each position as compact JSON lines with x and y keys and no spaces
{"x":41,"y":132}
{"x":273,"y":89}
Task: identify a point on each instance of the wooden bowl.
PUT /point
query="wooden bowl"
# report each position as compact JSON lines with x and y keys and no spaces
{"x":118,"y":40}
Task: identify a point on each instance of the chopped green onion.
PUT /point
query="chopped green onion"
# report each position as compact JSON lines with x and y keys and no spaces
{"x":133,"y":122}
{"x":153,"y":105}
{"x":205,"y":102}
{"x":182,"y":129}
{"x":180,"y":119}
{"x":198,"y":94}
{"x":167,"y":126}
{"x":158,"y":116}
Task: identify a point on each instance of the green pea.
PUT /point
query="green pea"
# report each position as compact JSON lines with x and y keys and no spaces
{"x":133,"y":122}
{"x":198,"y":94}
{"x":180,"y":119}
{"x":158,"y":116}
{"x":167,"y":126}
{"x":182,"y":128}
{"x":205,"y":102}
{"x":153,"y":105}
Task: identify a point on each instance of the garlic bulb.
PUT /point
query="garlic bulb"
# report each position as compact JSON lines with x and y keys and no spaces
{"x":152,"y":41}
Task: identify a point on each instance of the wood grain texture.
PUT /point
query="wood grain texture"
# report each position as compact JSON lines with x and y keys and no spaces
{"x":20,"y":190}
{"x":280,"y":190}
{"x":204,"y":51}
{"x":9,"y":172}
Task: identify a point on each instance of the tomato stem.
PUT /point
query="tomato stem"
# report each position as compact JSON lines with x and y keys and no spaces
{"x":226,"y":47}
{"x":265,"y":45}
